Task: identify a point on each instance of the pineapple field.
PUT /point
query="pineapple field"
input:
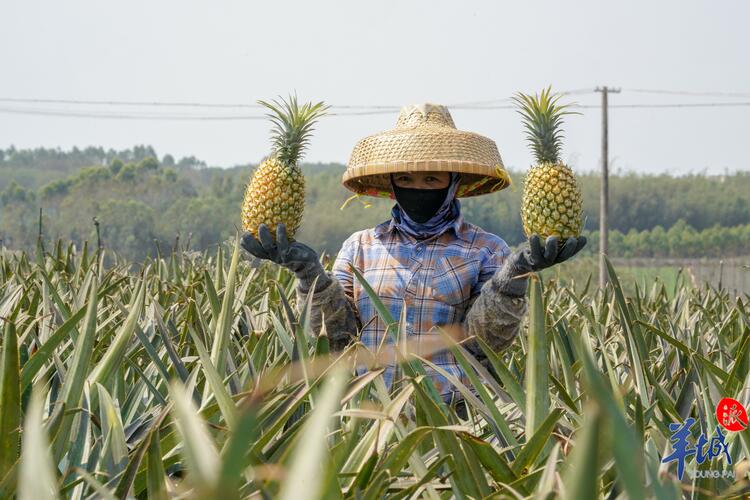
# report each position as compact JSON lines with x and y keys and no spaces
{"x":193,"y":375}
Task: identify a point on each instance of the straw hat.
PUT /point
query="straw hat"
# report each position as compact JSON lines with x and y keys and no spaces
{"x":425,"y":139}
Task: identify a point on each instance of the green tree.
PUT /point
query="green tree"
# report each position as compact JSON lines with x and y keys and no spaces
{"x":116,"y":165}
{"x":148,"y":163}
{"x":127,"y":227}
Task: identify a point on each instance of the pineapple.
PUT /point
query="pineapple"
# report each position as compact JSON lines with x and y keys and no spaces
{"x":276,"y":192}
{"x":551,"y":200}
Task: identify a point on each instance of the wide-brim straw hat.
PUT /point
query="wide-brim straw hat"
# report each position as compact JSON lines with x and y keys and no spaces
{"x":425,"y":140}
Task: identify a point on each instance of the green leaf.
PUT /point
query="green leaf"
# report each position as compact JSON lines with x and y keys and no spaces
{"x":510,"y":382}
{"x":10,"y":399}
{"x":113,"y":355}
{"x":546,"y":487}
{"x":223,"y":327}
{"x":72,"y":389}
{"x":37,"y":477}
{"x":495,"y":418}
{"x":472,"y":481}
{"x":625,"y":443}
{"x":128,"y":478}
{"x":115,"y":451}
{"x":537,"y":363}
{"x":491,"y":458}
{"x":535,"y":444}
{"x":226,"y":405}
{"x":365,"y":473}
{"x":156,"y":476}
{"x":399,"y":455}
{"x":46,"y":351}
{"x":234,"y":458}
{"x":634,"y":340}
{"x":304,"y":479}
{"x":376,"y":438}
{"x":429,"y":474}
{"x":99,"y":488}
{"x":213,"y":297}
{"x":198,"y":449}
{"x":582,"y":478}
{"x":81,"y":450}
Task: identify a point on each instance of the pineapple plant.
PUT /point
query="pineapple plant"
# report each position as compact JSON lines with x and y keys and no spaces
{"x":551,"y":203}
{"x":276,"y":191}
{"x":250,"y":431}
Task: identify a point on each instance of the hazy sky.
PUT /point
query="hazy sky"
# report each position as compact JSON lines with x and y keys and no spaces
{"x":381,"y":53}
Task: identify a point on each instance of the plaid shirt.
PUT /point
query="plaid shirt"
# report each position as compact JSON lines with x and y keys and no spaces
{"x":437,"y":279}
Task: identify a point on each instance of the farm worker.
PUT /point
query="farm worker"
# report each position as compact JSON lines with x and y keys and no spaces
{"x":425,"y":258}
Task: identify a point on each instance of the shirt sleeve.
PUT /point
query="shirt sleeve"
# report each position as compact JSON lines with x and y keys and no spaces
{"x":493,"y":316}
{"x":492,"y":259}
{"x":341,"y":270}
{"x":333,"y":306}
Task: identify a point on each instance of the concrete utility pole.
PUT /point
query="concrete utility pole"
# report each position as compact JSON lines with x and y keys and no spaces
{"x":604,"y":195}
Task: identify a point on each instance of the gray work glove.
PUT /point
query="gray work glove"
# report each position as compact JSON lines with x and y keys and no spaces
{"x":512,"y":278}
{"x":297,"y":257}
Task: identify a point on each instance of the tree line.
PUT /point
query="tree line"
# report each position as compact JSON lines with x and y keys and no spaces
{"x":142,"y":202}
{"x":679,"y":241}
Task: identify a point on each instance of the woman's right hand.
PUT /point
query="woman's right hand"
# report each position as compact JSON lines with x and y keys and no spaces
{"x":299,"y":258}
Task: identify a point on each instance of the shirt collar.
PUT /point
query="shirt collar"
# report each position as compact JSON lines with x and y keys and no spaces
{"x":458,"y":227}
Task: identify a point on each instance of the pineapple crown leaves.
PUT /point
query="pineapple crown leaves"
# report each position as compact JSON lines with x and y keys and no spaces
{"x":542,"y":119}
{"x":292,"y":126}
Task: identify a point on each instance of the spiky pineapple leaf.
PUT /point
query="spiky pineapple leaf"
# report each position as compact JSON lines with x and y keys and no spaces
{"x":304,"y":478}
{"x":37,"y":475}
{"x":543,"y":119}
{"x":292,"y":126}
{"x":10,"y":399}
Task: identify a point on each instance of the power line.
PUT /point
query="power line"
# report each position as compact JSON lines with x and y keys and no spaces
{"x":244,"y":105}
{"x":636,"y":105}
{"x":356,"y":110}
{"x":121,"y":116}
{"x":688,"y":92}
{"x":153,"y":116}
{"x":193,"y":104}
{"x":682,"y":105}
{"x":176,"y":104}
{"x":481,"y":104}
{"x":21,"y":100}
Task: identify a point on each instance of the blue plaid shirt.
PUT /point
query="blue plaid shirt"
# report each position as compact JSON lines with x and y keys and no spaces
{"x":436,"y":279}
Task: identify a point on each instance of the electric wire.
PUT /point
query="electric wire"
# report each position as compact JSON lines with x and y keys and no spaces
{"x":88,"y":102}
{"x":639,"y":105}
{"x":689,"y":93}
{"x":123,"y":116}
{"x":94,"y":102}
{"x":13,"y":106}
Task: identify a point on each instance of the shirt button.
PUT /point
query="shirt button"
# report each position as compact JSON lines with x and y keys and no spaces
{"x":420,"y":248}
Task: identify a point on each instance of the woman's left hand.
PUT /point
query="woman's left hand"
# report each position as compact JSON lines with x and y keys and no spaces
{"x":533,"y":257}
{"x":538,"y":257}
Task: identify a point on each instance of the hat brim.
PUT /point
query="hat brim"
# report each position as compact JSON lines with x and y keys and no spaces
{"x":425,"y":149}
{"x":374,"y":179}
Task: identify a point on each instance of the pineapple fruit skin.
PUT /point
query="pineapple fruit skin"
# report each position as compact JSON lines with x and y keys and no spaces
{"x":275,"y":195}
{"x":551,"y":204}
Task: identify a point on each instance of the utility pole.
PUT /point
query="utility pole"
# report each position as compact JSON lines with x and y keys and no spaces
{"x":604,"y":195}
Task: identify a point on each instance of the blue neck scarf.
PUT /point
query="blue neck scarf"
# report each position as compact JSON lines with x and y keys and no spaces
{"x":442,"y":220}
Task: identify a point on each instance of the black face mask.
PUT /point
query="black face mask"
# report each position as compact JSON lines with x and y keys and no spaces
{"x":420,"y":204}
